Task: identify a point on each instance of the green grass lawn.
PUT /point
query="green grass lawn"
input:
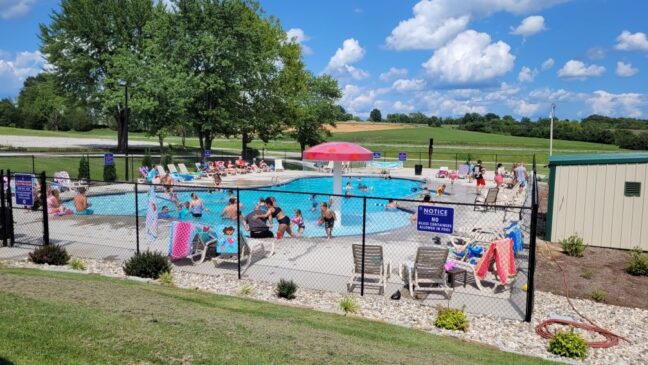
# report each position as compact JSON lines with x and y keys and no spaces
{"x":56,"y":318}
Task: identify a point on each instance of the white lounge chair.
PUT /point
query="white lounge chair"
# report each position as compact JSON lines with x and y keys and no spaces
{"x":279,"y":165}
{"x":376,"y":270}
{"x":161,"y":171}
{"x":63,"y":182}
{"x":230,"y":254}
{"x":172,"y":168}
{"x":329,"y":167}
{"x":463,"y":171}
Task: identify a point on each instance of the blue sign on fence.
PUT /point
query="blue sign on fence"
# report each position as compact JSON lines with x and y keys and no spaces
{"x":24,"y":188}
{"x":435,"y":219}
{"x":402,"y":156}
{"x":377,"y":155}
{"x":207,"y":153}
{"x":108,"y":159}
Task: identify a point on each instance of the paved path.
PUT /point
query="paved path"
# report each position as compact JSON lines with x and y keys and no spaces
{"x":65,"y":142}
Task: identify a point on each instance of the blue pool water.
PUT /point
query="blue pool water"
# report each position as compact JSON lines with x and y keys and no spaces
{"x":379,"y":219}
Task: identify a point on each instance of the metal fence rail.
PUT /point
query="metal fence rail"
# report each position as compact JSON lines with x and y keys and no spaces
{"x":375,"y":246}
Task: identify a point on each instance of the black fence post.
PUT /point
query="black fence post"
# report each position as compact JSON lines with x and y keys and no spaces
{"x":33,"y":164}
{"x":10,"y":228}
{"x":532,"y":247}
{"x":3,"y":218}
{"x":137,"y":238}
{"x":43,"y":194}
{"x":364,"y":227}
{"x":238,"y":230}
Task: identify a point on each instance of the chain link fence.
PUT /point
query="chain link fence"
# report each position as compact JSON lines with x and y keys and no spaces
{"x":429,"y":240}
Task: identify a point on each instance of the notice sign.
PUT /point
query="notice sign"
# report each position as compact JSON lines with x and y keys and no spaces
{"x":435,"y":219}
{"x":24,"y":194}
{"x":402,"y":156}
{"x":108,"y":159}
{"x":377,"y":155}
{"x":207,"y":153}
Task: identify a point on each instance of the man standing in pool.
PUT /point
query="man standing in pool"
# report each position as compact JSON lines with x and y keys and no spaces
{"x":328,"y":219}
{"x":273,"y":211}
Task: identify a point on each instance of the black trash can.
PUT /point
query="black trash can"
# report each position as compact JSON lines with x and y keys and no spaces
{"x":418,"y":170}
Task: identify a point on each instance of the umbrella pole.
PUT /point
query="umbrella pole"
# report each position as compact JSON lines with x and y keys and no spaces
{"x":337,"y":189}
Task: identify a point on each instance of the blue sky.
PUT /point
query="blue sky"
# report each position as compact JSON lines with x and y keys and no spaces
{"x":442,"y":57}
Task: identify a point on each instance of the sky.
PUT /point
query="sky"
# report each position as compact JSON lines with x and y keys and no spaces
{"x":439,"y":57}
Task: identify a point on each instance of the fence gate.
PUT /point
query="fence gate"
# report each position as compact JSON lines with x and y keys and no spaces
{"x":23,"y":212}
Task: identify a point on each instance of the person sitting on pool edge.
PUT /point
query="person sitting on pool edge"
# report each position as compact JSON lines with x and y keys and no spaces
{"x":440,"y":190}
{"x":81,"y":204}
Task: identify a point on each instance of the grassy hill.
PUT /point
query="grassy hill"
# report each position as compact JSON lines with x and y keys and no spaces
{"x":55,"y":318}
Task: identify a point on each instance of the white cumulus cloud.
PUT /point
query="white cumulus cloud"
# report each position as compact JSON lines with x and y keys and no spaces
{"x":358,"y":100}
{"x":625,"y":69}
{"x":470,"y":58}
{"x":626,"y":104}
{"x":435,"y":22}
{"x":404,"y":85}
{"x":627,"y":41}
{"x":297,"y":35}
{"x":527,"y":75}
{"x":14,"y":70}
{"x":525,"y":108}
{"x":402,"y":107}
{"x":11,"y":9}
{"x":341,"y":62}
{"x":577,"y":70}
{"x":549,"y":63}
{"x":530,"y":26}
{"x":393,"y":73}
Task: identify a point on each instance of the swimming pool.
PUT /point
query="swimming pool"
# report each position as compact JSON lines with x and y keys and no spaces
{"x":379,"y":219}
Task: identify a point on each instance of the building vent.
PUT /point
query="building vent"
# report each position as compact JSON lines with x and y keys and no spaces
{"x":632,"y":189}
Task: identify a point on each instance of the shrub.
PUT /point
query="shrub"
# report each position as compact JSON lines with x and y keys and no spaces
{"x":573,"y":246}
{"x":587,"y":274}
{"x":349,"y":305}
{"x":147,"y":264}
{"x":451,"y":319}
{"x":50,"y":254}
{"x":84,"y":168}
{"x":286,"y":289}
{"x":598,"y":295}
{"x":638,"y":264}
{"x":166,"y":278}
{"x":109,"y":173}
{"x":246,"y":289}
{"x":147,"y":160}
{"x":568,"y":344}
{"x":77,"y":264}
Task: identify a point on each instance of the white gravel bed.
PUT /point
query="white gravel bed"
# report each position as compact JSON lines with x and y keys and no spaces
{"x":505,"y":334}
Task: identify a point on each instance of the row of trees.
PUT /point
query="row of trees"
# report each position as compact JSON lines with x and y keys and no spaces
{"x":625,"y":132}
{"x":202,"y":67}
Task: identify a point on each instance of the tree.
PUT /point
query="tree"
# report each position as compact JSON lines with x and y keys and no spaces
{"x":316,"y":109}
{"x":82,"y":41}
{"x":9,"y":114}
{"x":375,"y":116}
{"x":40,"y":103}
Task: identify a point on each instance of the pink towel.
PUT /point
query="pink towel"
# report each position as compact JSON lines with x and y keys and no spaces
{"x":502,"y":252}
{"x":182,"y":235}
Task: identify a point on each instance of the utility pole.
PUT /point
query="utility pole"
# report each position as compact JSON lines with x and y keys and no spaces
{"x":553,"y":113}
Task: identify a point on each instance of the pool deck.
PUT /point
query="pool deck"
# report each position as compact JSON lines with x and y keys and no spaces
{"x":315,"y":263}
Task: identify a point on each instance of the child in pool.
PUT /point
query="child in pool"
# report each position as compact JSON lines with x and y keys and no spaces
{"x":298,"y":220}
{"x":183,"y":212}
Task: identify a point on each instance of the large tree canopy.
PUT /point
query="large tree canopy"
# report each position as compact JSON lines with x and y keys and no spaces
{"x":83,"y":42}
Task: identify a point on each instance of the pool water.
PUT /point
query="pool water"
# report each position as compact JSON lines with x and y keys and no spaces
{"x":379,"y":219}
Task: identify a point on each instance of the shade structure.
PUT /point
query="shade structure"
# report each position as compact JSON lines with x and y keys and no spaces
{"x":338,"y":152}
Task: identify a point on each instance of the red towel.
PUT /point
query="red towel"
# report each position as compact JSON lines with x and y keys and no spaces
{"x":502,"y":252}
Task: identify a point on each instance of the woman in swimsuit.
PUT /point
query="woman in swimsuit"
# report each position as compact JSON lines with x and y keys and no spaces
{"x":196,"y":206}
{"x":274,"y":211}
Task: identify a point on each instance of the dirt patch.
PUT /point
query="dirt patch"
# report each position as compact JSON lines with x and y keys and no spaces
{"x":365,"y":127}
{"x":600,"y":269}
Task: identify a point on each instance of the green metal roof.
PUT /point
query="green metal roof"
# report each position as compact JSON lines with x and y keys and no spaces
{"x":599,"y":159}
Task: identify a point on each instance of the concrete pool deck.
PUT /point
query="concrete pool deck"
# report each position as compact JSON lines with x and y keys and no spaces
{"x":314,"y":263}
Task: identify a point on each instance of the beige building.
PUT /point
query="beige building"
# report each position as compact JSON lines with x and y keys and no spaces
{"x":601,"y":198}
